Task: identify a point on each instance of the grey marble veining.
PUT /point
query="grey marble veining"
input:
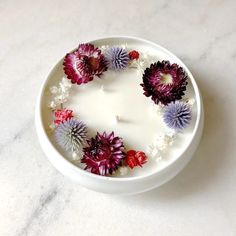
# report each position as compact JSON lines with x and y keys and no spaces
{"x":37,"y":200}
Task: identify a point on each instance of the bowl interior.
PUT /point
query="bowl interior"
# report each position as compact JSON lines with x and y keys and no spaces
{"x":121,"y":94}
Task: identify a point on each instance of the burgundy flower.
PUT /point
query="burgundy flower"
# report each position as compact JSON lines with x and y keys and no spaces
{"x":135,"y":158}
{"x":133,"y":55}
{"x":83,"y":64}
{"x":103,"y":154}
{"x":62,"y":115}
{"x":164,"y":82}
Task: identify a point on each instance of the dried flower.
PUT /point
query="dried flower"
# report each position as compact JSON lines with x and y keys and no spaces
{"x":154,"y":152}
{"x":116,"y":58}
{"x":52,"y":105}
{"x":53,"y":89}
{"x":135,"y":158}
{"x":70,"y":135}
{"x":133,"y":55}
{"x":104,"y":154}
{"x":191,"y":101}
{"x":157,"y":149}
{"x":60,"y":93}
{"x":177,"y":115}
{"x":62,"y":115}
{"x":123,"y":170}
{"x":83,"y":64}
{"x":164,"y":82}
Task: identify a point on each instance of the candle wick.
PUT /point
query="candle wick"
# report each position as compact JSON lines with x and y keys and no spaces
{"x":118,"y":118}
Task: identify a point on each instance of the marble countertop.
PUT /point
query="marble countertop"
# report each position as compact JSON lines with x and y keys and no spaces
{"x":37,"y":200}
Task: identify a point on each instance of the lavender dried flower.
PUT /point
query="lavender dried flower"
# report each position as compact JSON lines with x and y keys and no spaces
{"x":177,"y":115}
{"x":70,"y":135}
{"x":116,"y":58}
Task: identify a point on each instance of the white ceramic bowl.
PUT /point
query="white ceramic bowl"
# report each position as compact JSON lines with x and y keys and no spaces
{"x":113,"y":185}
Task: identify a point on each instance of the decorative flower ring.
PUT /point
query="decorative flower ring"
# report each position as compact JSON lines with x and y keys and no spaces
{"x":105,"y":153}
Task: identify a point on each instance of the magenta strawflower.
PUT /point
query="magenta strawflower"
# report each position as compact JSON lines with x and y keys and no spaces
{"x":104,"y":154}
{"x":164,"y":82}
{"x":83,"y":64}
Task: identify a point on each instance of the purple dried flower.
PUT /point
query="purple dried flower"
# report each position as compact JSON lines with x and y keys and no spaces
{"x":103,"y":154}
{"x":70,"y":134}
{"x":164,"y":82}
{"x":177,"y":115}
{"x":83,"y":64}
{"x":117,"y":58}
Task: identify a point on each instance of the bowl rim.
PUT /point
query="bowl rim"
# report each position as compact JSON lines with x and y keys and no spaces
{"x":79,"y":171}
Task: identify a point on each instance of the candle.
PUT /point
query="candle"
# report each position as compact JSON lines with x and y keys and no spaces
{"x":116,"y":103}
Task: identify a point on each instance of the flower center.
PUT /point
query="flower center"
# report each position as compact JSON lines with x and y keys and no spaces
{"x":102,"y":151}
{"x":166,"y":79}
{"x":94,"y":63}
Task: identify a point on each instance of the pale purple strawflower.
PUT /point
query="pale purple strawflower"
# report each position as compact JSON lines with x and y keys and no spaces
{"x":177,"y":115}
{"x":117,"y":58}
{"x":70,"y":135}
{"x":104,"y":154}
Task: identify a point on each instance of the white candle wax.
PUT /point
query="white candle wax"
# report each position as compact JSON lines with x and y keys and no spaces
{"x":116,"y":103}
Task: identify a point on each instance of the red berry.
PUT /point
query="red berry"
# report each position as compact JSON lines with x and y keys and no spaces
{"x":131,"y":161}
{"x":133,"y":55}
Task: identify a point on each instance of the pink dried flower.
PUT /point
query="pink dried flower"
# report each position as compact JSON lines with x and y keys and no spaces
{"x":83,"y":64}
{"x":62,"y":115}
{"x":103,"y":154}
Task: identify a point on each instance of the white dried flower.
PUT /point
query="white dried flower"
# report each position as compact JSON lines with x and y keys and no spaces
{"x":157,"y":149}
{"x":124,"y":46}
{"x":66,"y":83}
{"x":64,"y":86}
{"x":53,"y":90}
{"x":191,"y":101}
{"x":163,"y":141}
{"x":154,"y":152}
{"x":52,"y":105}
{"x":123,"y":170}
{"x":52,"y":126}
{"x":76,"y":156}
{"x":61,"y":93}
{"x":61,"y":98}
{"x":103,"y":48}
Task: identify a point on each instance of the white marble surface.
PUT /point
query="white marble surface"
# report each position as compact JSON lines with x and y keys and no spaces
{"x":37,"y":200}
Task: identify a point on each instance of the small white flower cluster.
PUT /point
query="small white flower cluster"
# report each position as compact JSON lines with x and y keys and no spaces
{"x":157,"y":149}
{"x":123,"y":170}
{"x":191,"y":101}
{"x":104,"y":48}
{"x":77,"y":155}
{"x":60,"y":93}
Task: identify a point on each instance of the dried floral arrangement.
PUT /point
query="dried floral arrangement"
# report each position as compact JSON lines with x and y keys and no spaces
{"x":105,"y":154}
